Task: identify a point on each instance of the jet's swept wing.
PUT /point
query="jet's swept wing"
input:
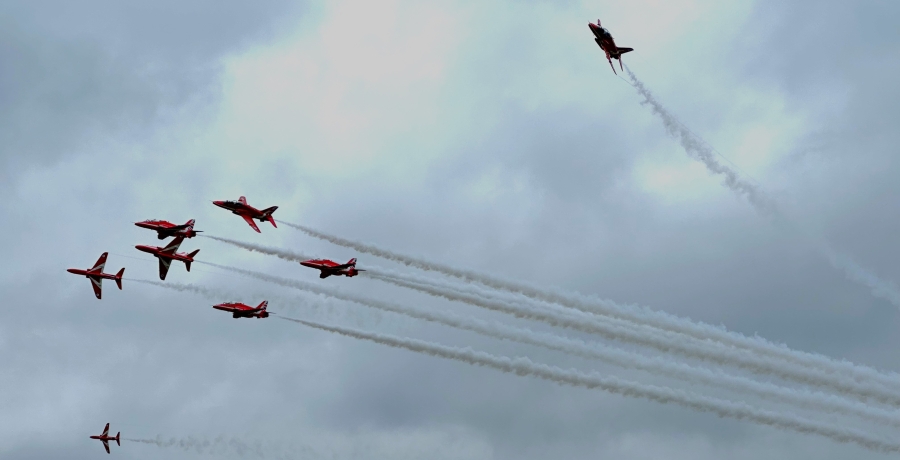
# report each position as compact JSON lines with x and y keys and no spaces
{"x":251,"y":223}
{"x":106,"y":445}
{"x":163,"y":267}
{"x":106,"y":430}
{"x":173,"y":245}
{"x":101,"y":263}
{"x":96,"y":283}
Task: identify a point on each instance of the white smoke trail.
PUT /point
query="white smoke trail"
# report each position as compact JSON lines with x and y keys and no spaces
{"x":803,"y":399}
{"x":285,"y":255}
{"x":192,"y":288}
{"x":667,"y":341}
{"x":640,"y":315}
{"x":879,"y":287}
{"x":525,"y":367}
{"x":664,"y":340}
{"x":222,"y":445}
{"x":697,"y":148}
{"x":219,"y":445}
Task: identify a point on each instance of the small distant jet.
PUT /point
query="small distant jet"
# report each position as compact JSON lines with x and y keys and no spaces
{"x":239,"y":310}
{"x":607,"y":44}
{"x":329,"y":267}
{"x":241,"y":208}
{"x":106,"y":438}
{"x":167,"y":254}
{"x":97,"y":276}
{"x":165,"y":229}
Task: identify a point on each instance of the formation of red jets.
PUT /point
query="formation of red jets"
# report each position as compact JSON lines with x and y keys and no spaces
{"x":168,"y":253}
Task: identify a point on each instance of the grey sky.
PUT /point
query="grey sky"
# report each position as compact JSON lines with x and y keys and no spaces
{"x":489,"y":135}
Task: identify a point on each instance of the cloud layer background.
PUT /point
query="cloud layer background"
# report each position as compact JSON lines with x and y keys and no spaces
{"x":489,"y":135}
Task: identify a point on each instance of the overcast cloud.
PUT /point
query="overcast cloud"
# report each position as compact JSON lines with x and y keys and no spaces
{"x":488,"y":135}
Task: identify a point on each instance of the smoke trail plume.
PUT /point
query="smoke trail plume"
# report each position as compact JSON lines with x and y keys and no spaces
{"x":663,"y":340}
{"x":879,"y":287}
{"x":804,"y":399}
{"x":700,"y":150}
{"x":219,"y":445}
{"x":192,"y":288}
{"x":285,"y":255}
{"x":667,"y":341}
{"x":222,"y":445}
{"x":639,"y":315}
{"x":697,"y":148}
{"x":525,"y":367}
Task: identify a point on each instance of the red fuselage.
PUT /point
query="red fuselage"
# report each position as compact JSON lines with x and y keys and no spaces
{"x":158,"y":252}
{"x":165,"y":229}
{"x":105,"y":438}
{"x":96,"y":275}
{"x":169,"y":253}
{"x":241,"y":208}
{"x":240,"y":310}
{"x":328,"y":267}
{"x":90,"y":274}
{"x":604,"y":39}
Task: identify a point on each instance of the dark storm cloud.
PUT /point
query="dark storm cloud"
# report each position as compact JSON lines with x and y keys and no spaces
{"x":72,"y":74}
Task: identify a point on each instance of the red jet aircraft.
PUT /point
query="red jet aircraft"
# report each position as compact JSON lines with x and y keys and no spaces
{"x":167,"y":254}
{"x":241,"y":208}
{"x":97,"y":276}
{"x":165,"y":229}
{"x":330,"y":267}
{"x":106,"y":438}
{"x":606,"y":42}
{"x":239,"y":310}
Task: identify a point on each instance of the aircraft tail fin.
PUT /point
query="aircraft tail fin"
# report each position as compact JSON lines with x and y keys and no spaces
{"x":267,"y":215}
{"x":619,"y":53}
{"x":119,"y":278}
{"x":117,"y":438}
{"x":263,"y":305}
{"x":187,"y":263}
{"x":352,"y":262}
{"x":189,"y":224}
